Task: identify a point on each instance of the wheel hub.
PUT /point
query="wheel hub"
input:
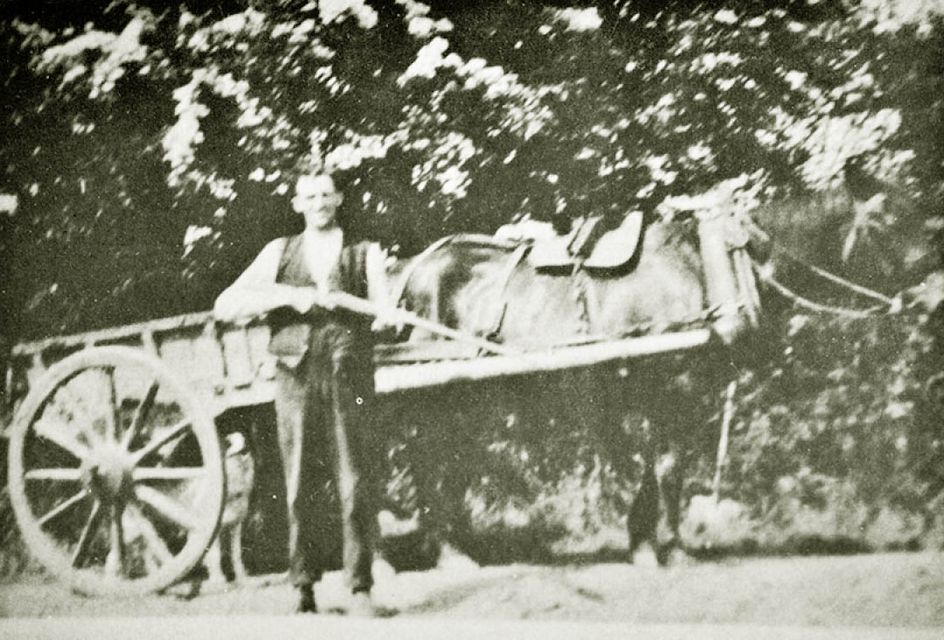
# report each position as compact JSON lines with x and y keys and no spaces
{"x":107,"y":473}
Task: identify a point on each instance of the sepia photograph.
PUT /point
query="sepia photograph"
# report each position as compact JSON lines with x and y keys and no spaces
{"x":472,"y":319}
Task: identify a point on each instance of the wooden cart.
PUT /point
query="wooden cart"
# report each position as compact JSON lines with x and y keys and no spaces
{"x":115,"y":469}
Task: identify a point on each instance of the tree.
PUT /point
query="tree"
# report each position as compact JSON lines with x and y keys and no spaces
{"x":149,"y":152}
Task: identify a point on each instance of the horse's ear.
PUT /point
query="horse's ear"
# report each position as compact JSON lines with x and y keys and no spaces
{"x":759,"y":243}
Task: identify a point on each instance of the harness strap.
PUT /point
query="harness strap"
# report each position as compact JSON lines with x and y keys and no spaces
{"x":482,"y":240}
{"x":578,"y":280}
{"x":458,"y":238}
{"x":414,"y":264}
{"x":511,"y":266}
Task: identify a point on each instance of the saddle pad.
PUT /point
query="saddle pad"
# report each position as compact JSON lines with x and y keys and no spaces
{"x":550,"y":253}
{"x":617,"y":247}
{"x":611,"y":250}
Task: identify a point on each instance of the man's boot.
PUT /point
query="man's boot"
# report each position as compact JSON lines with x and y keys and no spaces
{"x":306,"y":599}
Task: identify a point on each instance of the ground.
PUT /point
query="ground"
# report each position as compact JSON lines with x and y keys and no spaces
{"x":902,"y":590}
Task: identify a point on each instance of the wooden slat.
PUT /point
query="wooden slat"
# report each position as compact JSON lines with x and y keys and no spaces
{"x":237,"y":357}
{"x":392,"y":379}
{"x":149,"y":343}
{"x":208,"y":353}
{"x":113,"y":333}
{"x":423,"y":351}
{"x":36,"y":369}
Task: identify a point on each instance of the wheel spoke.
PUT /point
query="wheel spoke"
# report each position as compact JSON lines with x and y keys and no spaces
{"x":140,"y":416}
{"x":114,"y":561}
{"x":58,"y":475}
{"x":87,"y":532}
{"x":112,"y":414}
{"x":63,"y":506}
{"x":54,"y":433}
{"x":173,"y":432}
{"x":167,"y":473}
{"x":118,"y":474}
{"x":166,"y":506}
{"x":156,"y":547}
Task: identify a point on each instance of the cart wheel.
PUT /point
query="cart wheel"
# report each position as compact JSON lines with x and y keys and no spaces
{"x":115,"y":473}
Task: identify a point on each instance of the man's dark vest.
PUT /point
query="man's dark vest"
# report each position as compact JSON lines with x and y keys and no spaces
{"x":291,"y":331}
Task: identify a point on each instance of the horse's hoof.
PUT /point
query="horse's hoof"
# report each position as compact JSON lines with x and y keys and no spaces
{"x":644,"y":557}
{"x":672,"y":556}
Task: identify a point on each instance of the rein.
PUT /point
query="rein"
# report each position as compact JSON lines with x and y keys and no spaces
{"x":800,"y":301}
{"x":889,"y":306}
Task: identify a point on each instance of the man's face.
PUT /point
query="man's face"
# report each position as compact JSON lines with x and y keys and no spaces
{"x":317,"y":200}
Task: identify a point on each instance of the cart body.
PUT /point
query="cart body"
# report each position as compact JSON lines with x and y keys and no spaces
{"x":109,"y":499}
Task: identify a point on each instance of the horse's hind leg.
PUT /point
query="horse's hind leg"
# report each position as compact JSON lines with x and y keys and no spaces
{"x":655,"y":511}
{"x":643,"y":516}
{"x":668,"y":474}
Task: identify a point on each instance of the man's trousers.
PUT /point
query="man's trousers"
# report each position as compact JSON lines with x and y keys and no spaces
{"x":330,"y":457}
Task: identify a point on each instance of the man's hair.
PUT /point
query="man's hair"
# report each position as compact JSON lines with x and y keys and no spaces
{"x":312,"y":179}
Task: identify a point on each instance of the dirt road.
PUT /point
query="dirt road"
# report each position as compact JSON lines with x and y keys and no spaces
{"x":884,"y":594}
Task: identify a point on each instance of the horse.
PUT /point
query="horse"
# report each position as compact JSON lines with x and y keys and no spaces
{"x":603,"y":282}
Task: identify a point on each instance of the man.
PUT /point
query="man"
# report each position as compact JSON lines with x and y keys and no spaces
{"x":324,"y":388}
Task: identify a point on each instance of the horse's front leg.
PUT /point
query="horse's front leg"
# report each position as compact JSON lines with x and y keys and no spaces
{"x":642,"y":517}
{"x":668,"y":472}
{"x":654,"y":513}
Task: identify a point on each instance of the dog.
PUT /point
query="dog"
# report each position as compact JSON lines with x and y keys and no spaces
{"x":239,"y":469}
{"x":240,"y":475}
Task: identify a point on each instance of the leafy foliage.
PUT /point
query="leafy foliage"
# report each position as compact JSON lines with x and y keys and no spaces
{"x":149,"y":153}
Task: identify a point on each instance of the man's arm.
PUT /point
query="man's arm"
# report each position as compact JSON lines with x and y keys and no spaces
{"x":378,"y":287}
{"x":376,"y":267}
{"x":255,"y":292}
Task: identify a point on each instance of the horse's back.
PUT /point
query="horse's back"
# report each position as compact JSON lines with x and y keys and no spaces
{"x":491,"y":289}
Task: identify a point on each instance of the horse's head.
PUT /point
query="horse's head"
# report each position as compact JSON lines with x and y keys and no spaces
{"x":863,"y":228}
{"x":729,"y":245}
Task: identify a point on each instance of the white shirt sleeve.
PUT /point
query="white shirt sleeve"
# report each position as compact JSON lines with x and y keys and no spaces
{"x":255,"y":291}
{"x":376,"y":267}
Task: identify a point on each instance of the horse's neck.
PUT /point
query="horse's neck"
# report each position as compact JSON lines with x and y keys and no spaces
{"x":661,"y":237}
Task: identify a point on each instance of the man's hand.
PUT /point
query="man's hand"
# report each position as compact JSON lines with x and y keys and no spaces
{"x":324,"y":301}
{"x":386,"y":320}
{"x":304,"y":299}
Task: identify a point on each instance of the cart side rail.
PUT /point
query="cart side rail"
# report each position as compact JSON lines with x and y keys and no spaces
{"x":224,"y":365}
{"x":229,"y":365}
{"x":112,"y":335}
